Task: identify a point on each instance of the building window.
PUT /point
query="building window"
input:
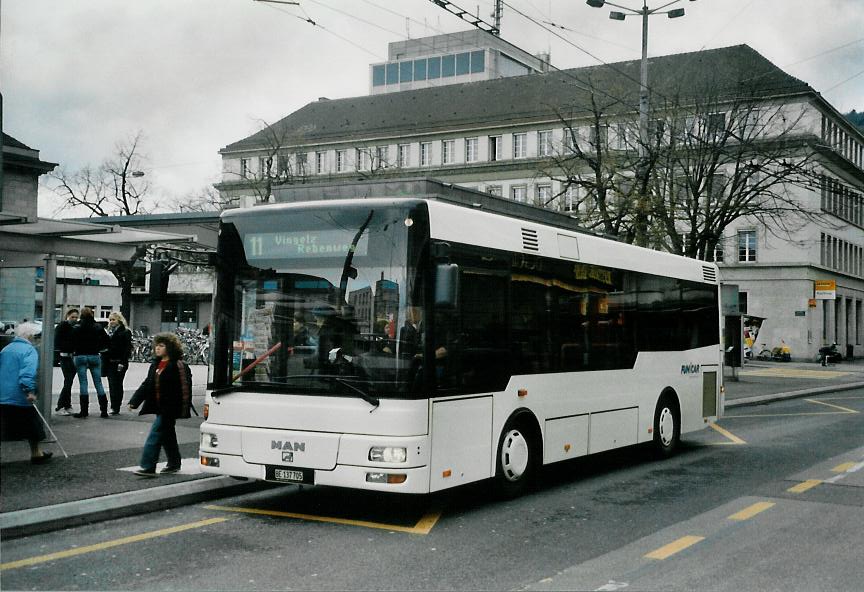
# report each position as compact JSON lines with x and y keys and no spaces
{"x":378,"y":75}
{"x":471,"y":149}
{"x":404,"y":156}
{"x":746,"y":246}
{"x":301,"y":163}
{"x":544,"y":195}
{"x":425,"y":153}
{"x":244,"y":167}
{"x":716,"y":125}
{"x":382,"y":156}
{"x":520,"y":145}
{"x":264,"y":166}
{"x":718,"y":252}
{"x":393,"y":73}
{"x":320,"y":162}
{"x":463,"y":63}
{"x":477,"y":61}
{"x":448,"y":148}
{"x":105,"y":311}
{"x":544,"y":143}
{"x":495,"y":148}
{"x":519,"y":193}
{"x":493,"y":190}
{"x":406,"y":71}
{"x":572,"y":198}
{"x":340,"y":161}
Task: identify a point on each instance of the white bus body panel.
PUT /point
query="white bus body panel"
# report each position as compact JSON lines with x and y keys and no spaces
{"x":462,"y":436}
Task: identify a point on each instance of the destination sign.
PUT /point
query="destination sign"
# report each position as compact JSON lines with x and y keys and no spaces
{"x":302,"y":245}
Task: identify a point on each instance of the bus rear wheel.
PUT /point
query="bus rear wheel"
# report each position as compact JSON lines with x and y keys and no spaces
{"x":667,"y":426}
{"x":517,"y":459}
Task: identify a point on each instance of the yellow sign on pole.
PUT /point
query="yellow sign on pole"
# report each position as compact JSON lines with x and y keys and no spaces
{"x":826,"y":289}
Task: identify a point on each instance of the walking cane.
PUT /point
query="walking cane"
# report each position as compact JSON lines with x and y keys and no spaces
{"x":53,"y":435}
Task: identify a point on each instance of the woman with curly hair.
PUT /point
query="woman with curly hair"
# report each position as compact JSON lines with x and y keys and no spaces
{"x":167,"y":393}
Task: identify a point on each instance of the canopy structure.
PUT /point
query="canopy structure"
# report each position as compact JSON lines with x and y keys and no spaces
{"x":28,"y":243}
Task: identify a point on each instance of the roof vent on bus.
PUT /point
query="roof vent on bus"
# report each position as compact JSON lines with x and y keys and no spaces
{"x":709,"y":274}
{"x":530,"y":240}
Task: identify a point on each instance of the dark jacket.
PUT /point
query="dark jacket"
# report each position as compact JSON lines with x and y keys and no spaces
{"x":63,"y":338}
{"x":119,"y":346}
{"x":174,"y":401}
{"x":88,"y":338}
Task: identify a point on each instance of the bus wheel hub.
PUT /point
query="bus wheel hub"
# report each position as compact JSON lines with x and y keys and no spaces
{"x":514,"y":455}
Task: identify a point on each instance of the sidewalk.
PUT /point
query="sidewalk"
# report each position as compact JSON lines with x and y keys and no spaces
{"x":96,"y":482}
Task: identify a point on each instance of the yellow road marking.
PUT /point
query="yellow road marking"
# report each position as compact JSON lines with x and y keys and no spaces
{"x":423,"y":526}
{"x":751,"y":511}
{"x":843,"y":468}
{"x":804,"y":486}
{"x":844,"y":409}
{"x":674,"y":547}
{"x":732,"y":437}
{"x":108,"y":544}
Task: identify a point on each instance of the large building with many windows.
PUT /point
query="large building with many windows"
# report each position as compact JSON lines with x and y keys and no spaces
{"x":510,"y":135}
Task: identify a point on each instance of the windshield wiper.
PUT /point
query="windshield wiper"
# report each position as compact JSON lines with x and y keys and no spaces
{"x":372,"y":400}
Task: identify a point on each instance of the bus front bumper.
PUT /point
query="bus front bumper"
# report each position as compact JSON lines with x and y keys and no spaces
{"x":393,"y":479}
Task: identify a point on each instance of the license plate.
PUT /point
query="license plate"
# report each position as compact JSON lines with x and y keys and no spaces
{"x":288,"y":475}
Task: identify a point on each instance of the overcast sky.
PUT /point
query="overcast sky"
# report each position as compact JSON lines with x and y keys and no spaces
{"x":77,"y":76}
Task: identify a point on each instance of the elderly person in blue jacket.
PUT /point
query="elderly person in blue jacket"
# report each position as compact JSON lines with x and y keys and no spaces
{"x":19,"y":420}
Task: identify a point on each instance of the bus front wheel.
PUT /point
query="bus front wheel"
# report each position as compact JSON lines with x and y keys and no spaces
{"x":517,"y":459}
{"x":667,"y":426}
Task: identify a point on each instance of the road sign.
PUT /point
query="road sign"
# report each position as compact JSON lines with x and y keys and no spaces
{"x":826,"y":289}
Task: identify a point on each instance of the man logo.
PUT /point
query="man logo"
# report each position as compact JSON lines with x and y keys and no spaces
{"x":687,"y":369}
{"x":287,"y":456}
{"x":293,"y":446}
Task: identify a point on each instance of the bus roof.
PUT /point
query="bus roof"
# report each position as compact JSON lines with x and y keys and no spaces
{"x":472,"y":217}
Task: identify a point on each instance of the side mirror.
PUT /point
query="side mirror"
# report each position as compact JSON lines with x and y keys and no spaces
{"x":447,"y":285}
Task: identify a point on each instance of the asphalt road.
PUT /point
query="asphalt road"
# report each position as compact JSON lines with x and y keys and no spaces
{"x":773,"y":502}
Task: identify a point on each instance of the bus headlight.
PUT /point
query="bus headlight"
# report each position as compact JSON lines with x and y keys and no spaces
{"x":209,"y":440}
{"x":388,"y":454}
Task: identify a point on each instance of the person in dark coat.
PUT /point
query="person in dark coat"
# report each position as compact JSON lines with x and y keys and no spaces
{"x":63,"y":343}
{"x":167,"y":393}
{"x":116,"y":359}
{"x":88,"y":341}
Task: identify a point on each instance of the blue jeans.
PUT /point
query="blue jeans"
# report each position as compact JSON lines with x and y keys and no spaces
{"x":94,"y":363}
{"x":162,"y":435}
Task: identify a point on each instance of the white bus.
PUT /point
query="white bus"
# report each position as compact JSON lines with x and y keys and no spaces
{"x":415,"y":344}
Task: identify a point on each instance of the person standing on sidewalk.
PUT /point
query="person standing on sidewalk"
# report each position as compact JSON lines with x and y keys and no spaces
{"x":117,"y":358}
{"x":63,"y":343}
{"x":166,"y":392}
{"x":88,"y":340}
{"x":19,"y":420}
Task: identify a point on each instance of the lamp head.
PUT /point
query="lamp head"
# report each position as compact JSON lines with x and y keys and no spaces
{"x":676,"y":13}
{"x":595,"y":3}
{"x":617,"y":16}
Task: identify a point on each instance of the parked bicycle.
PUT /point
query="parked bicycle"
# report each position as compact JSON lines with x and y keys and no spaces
{"x":781,"y":353}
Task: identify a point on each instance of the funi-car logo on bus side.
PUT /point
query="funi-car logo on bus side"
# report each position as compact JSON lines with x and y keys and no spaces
{"x":687,"y":369}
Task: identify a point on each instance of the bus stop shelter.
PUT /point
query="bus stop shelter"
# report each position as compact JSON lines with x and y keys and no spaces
{"x":38,"y":243}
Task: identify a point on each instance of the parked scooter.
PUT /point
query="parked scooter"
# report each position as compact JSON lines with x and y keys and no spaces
{"x":829,"y":354}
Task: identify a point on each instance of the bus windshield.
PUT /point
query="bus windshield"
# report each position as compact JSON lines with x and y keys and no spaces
{"x":321,"y":301}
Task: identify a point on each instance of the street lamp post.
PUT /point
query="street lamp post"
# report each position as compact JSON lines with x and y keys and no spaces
{"x":644,"y":12}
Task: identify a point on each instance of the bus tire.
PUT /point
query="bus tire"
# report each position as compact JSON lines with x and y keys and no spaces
{"x":518,"y":458}
{"x":667,"y":426}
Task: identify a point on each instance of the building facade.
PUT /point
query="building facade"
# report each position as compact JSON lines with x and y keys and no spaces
{"x":511,"y":136}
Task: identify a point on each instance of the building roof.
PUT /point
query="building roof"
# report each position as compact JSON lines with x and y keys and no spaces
{"x":718,"y":73}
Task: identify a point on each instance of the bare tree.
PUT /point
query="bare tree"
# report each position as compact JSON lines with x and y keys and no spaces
{"x":206,"y":199}
{"x":279,"y":163}
{"x":721,"y":158}
{"x":595,"y":164}
{"x":117,"y":187}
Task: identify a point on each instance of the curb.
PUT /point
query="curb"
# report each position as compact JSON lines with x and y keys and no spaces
{"x":38,"y":520}
{"x":791,"y":394}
